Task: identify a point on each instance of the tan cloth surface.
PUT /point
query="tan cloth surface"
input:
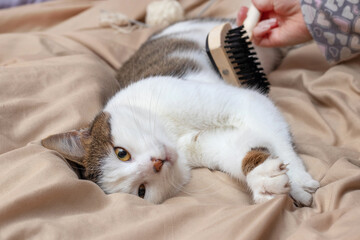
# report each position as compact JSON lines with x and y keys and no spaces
{"x":56,"y":68}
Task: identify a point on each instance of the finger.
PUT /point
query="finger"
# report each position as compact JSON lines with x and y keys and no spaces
{"x":262,"y":32}
{"x":272,"y":22}
{"x":270,"y":39}
{"x":264,"y":42}
{"x":263,"y":5}
{"x":264,"y":27}
{"x":241,"y":16}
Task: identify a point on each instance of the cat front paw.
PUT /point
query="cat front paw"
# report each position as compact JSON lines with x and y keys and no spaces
{"x":268,"y":180}
{"x":302,"y":187}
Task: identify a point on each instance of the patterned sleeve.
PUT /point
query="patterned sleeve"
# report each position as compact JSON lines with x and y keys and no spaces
{"x":335,"y":26}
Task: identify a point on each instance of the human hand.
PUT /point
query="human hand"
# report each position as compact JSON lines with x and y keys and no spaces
{"x":281,"y":23}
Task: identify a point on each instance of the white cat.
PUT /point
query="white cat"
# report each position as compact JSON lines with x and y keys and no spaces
{"x":175,"y":113}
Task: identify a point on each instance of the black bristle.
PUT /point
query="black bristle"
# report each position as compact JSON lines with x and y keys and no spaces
{"x":243,"y":57}
{"x":239,"y":45}
{"x":238,"y":29}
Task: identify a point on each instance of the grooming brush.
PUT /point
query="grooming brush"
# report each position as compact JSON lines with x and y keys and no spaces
{"x":232,"y":55}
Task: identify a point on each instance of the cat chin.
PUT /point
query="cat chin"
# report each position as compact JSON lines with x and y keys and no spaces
{"x":170,"y":186}
{"x":116,"y":178}
{"x":173,"y":180}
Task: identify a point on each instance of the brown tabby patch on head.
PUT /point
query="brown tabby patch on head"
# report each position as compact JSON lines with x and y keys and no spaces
{"x":254,"y":158}
{"x":153,"y":59}
{"x":97,"y":146}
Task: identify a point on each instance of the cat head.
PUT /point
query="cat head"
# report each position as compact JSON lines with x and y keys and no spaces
{"x":125,"y":151}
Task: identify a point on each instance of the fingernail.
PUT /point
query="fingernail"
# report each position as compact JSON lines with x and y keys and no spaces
{"x":264,"y":27}
{"x":272,"y":20}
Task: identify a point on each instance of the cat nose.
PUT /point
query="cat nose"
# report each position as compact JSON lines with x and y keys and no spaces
{"x":158,"y":163}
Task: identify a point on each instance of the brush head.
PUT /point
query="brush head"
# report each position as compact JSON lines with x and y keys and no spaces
{"x":233,"y":56}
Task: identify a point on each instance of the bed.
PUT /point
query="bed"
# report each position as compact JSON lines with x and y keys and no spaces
{"x":57,"y":67}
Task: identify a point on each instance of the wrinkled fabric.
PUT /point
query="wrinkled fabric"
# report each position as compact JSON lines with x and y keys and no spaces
{"x":57,"y":66}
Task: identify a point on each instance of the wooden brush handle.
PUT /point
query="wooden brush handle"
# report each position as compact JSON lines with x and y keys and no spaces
{"x":216,"y":40}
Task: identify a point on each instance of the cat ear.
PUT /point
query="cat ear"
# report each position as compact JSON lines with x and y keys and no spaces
{"x":71,"y":144}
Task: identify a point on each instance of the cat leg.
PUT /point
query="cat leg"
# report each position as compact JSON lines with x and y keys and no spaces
{"x":237,"y":153}
{"x":214,"y":149}
{"x":302,"y":183}
{"x":266,"y":175}
{"x":279,"y":142}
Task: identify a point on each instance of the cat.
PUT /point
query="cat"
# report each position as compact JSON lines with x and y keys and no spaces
{"x":174,"y":113}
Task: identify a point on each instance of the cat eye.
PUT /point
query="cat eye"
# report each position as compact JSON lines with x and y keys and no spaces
{"x":141,"y":191}
{"x":122,"y":154}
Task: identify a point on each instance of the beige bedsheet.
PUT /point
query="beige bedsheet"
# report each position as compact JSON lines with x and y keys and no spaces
{"x":56,"y":68}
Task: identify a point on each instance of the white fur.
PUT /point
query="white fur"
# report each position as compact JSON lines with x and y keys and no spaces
{"x":199,"y":121}
{"x":208,"y":125}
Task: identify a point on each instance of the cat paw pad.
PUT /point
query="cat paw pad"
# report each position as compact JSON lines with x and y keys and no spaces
{"x":268,"y":180}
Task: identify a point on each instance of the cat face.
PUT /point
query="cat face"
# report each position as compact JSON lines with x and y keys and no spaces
{"x":144,"y":161}
{"x":127,"y":151}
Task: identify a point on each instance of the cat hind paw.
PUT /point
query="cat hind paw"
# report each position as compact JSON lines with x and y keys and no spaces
{"x":268,"y":180}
